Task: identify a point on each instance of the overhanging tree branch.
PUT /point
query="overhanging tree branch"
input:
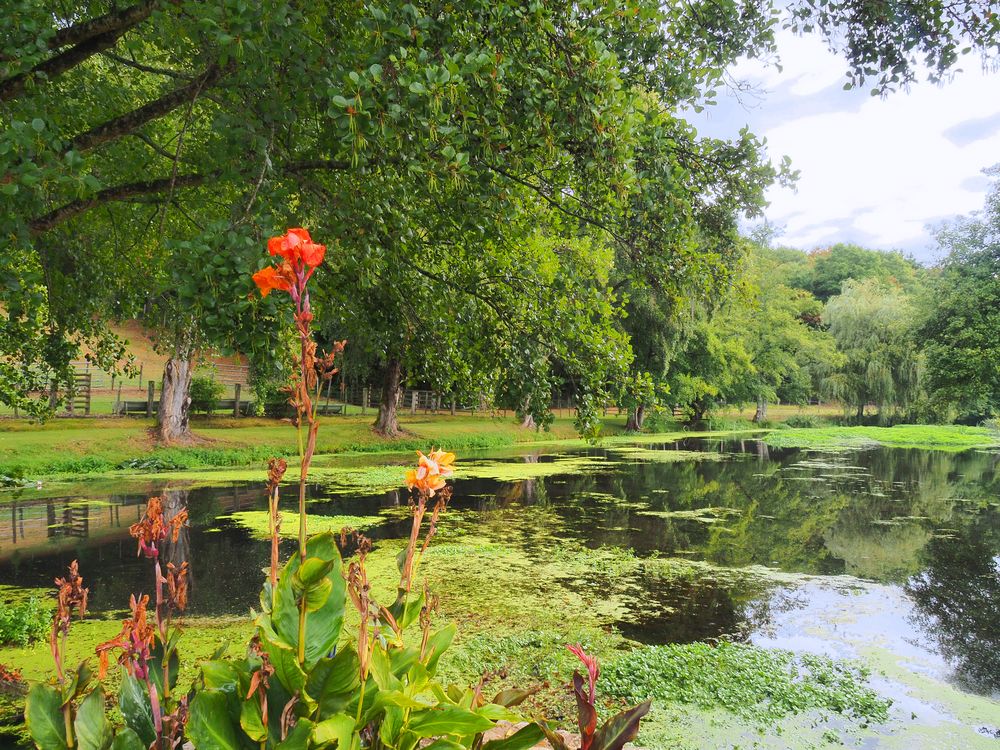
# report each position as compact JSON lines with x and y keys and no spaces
{"x":88,"y":38}
{"x":125,"y":124}
{"x":142,"y":188}
{"x":114,"y":193}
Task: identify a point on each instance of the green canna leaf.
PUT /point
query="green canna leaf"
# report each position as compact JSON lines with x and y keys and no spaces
{"x":44,"y":717}
{"x":92,"y":728}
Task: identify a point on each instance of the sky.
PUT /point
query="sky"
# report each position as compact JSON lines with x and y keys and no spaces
{"x":874,"y":171}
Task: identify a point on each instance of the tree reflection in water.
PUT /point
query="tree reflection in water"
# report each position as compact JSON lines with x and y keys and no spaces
{"x":958,"y":601}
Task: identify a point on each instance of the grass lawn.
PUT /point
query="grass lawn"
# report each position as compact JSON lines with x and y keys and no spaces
{"x":88,"y":446}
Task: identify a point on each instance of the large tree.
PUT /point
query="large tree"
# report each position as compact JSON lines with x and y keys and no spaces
{"x":961,"y":334}
{"x":873,"y":325}
{"x":146,"y":124}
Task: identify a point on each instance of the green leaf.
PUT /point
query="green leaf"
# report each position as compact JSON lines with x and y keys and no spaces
{"x":443,"y":744}
{"x":44,"y":717}
{"x":285,"y":663}
{"x":448,"y":720}
{"x":209,"y":725}
{"x":126,"y":739}
{"x":526,"y":737}
{"x":38,"y":124}
{"x":437,"y":644}
{"x":298,"y":737}
{"x":93,"y":730}
{"x":317,"y":595}
{"x":333,"y":682}
{"x":335,"y":730}
{"x":133,"y":700}
{"x":252,"y":719}
{"x":512,"y":697}
{"x":323,"y":626}
{"x":312,"y":570}
{"x":619,"y":729}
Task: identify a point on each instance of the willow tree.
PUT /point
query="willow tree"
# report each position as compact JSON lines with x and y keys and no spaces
{"x":873,"y":325}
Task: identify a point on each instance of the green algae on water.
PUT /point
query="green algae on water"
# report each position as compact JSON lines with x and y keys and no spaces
{"x":513,"y":471}
{"x":759,"y":684}
{"x":927,"y":437}
{"x":667,"y":455}
{"x":257,"y":522}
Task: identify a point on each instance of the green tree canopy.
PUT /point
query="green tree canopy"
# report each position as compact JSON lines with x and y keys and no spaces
{"x":873,"y":325}
{"x":961,"y":334}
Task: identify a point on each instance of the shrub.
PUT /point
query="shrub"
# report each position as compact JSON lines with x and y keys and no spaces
{"x":804,"y":420}
{"x":205,"y":394}
{"x":23,"y":622}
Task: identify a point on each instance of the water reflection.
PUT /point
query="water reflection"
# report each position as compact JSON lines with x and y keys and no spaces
{"x":922,"y":524}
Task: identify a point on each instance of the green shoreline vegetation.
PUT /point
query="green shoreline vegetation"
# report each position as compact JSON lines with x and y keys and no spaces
{"x":62,"y":449}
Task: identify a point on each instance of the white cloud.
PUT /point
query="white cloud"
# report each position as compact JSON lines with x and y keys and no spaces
{"x":872,"y":170}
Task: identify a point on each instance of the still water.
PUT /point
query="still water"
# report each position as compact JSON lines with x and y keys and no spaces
{"x":888,"y":549}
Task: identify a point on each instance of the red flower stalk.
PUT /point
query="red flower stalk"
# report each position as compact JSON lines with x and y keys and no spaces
{"x":300,"y":257}
{"x":70,"y":595}
{"x":135,"y":641}
{"x":593,"y":668}
{"x":153,"y":529}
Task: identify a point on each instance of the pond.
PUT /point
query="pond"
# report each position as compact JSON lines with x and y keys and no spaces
{"x":886,"y":556}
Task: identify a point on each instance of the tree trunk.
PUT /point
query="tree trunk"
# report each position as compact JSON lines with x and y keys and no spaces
{"x":172,"y":417}
{"x":861,"y":412}
{"x":386,"y":424}
{"x":635,"y":419}
{"x":761,"y":413}
{"x":528,"y":422}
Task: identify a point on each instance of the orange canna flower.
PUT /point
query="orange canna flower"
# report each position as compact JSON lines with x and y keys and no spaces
{"x":135,"y":641}
{"x":270,"y":278}
{"x":312,"y":254}
{"x":429,"y":476}
{"x":296,"y":246}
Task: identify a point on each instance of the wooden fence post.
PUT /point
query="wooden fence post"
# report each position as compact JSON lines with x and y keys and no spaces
{"x":149,"y":398}
{"x":453,"y":404}
{"x":236,"y":399}
{"x":364,"y":400}
{"x":90,"y":383}
{"x":413,"y":402}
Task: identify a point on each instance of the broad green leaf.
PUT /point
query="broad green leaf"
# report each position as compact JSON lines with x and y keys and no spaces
{"x":133,"y":700}
{"x":298,"y":737}
{"x":209,"y":724}
{"x":44,"y":717}
{"x":220,"y":675}
{"x":252,"y":719}
{"x":444,"y":744}
{"x":323,"y":625}
{"x":437,"y":644}
{"x":381,"y":670}
{"x":126,"y":739}
{"x":333,"y":683}
{"x":313,"y":570}
{"x":448,"y":720}
{"x":526,"y":737}
{"x":335,"y":730}
{"x":286,"y":665}
{"x":512,"y":697}
{"x":92,"y":728}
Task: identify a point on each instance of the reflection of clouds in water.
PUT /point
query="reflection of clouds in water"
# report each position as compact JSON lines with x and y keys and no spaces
{"x":849,"y":619}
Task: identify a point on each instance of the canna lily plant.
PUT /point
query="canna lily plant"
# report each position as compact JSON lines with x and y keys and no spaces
{"x":304,"y":682}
